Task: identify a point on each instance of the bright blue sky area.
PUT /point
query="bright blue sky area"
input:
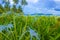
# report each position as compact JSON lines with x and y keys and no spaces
{"x":40,"y":6}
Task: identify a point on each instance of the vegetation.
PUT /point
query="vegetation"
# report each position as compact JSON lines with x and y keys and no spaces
{"x":20,"y":27}
{"x":7,"y":7}
{"x":43,"y":25}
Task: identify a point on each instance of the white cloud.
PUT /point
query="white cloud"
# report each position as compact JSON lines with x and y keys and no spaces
{"x":32,"y":1}
{"x":56,"y":0}
{"x":11,"y":2}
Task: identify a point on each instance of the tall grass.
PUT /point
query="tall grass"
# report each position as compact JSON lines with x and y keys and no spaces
{"x":44,"y":26}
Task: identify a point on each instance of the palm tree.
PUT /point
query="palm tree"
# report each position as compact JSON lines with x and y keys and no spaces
{"x":16,"y":1}
{"x":13,"y":9}
{"x":7,"y":7}
{"x":1,"y":9}
{"x":23,"y":2}
{"x":19,"y":10}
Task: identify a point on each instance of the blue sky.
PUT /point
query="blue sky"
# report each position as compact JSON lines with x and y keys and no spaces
{"x":40,"y":6}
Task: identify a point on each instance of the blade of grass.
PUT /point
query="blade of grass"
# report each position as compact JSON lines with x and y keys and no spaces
{"x":6,"y":36}
{"x":14,"y":27}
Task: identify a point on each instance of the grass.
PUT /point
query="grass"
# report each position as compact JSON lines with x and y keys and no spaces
{"x":47,"y":27}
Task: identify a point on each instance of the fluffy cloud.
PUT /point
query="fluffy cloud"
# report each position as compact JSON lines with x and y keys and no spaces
{"x":32,"y":1}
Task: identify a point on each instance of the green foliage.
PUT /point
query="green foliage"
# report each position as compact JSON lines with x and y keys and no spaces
{"x":19,"y":10}
{"x":15,"y":1}
{"x":1,"y":9}
{"x":7,"y":7}
{"x":43,"y":25}
{"x":23,"y":2}
{"x":14,"y":9}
